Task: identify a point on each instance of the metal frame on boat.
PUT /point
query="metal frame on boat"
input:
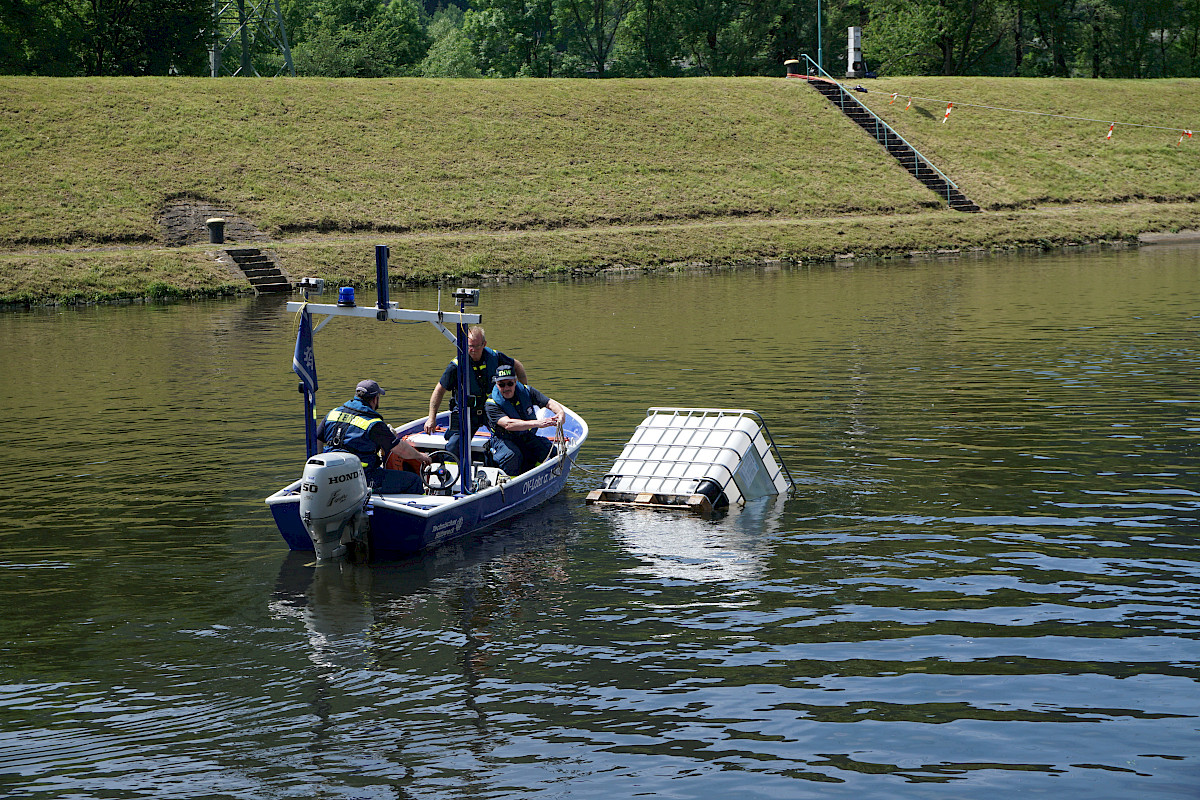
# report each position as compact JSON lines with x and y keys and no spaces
{"x":474,"y":499}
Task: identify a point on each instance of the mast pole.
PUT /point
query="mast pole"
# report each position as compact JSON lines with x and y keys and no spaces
{"x":310,"y":409}
{"x":466,"y":434}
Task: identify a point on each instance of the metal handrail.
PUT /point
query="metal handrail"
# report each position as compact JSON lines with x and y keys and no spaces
{"x":882,"y":136}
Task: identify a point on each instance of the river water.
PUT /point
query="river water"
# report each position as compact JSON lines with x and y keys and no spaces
{"x":987,"y":581}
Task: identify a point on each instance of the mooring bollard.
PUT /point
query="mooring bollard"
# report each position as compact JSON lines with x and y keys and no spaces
{"x":216,"y":230}
{"x":793,"y":68}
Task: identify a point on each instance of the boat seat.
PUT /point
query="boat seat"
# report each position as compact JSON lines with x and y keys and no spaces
{"x":429,"y":442}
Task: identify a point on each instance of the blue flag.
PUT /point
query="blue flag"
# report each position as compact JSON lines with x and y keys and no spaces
{"x":304,"y":363}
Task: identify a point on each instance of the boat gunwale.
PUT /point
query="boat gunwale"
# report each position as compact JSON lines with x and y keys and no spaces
{"x":290,"y":493}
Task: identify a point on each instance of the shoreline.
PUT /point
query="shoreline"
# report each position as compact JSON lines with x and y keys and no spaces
{"x":633,"y":271}
{"x":1179,"y":237}
{"x":111,"y":274}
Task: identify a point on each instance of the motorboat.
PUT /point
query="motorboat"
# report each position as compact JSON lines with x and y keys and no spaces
{"x":330,"y":509}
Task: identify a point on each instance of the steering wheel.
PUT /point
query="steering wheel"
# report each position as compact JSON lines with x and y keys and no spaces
{"x":435,"y":476}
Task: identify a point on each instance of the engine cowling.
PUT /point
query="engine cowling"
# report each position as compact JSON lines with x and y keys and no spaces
{"x":333,"y":493}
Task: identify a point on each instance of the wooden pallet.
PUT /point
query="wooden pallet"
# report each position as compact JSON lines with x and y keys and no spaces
{"x":696,"y":503}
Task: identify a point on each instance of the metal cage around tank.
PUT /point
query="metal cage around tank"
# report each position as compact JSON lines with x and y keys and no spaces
{"x":697,"y":458}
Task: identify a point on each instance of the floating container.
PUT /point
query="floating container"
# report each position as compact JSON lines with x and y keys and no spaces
{"x":697,"y":458}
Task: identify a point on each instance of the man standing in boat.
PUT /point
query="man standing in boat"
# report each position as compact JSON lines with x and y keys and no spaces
{"x":356,"y":427}
{"x":512,"y":416}
{"x":484,"y":363}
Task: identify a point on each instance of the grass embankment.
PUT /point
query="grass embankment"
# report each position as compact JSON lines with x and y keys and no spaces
{"x":466,"y":178}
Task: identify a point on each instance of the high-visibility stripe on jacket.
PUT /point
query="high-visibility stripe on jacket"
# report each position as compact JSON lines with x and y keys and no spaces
{"x":346,"y":428}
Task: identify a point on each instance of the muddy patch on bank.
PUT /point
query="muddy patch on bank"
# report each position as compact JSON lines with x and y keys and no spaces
{"x":182,"y":222}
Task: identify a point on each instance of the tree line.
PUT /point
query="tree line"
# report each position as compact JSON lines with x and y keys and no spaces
{"x":615,"y":38}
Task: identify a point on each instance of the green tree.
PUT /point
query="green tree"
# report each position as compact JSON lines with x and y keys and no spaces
{"x":726,"y":37}
{"x":451,"y":54}
{"x":901,"y":38}
{"x":513,"y":38}
{"x":104,"y":37}
{"x":647,"y":42}
{"x":37,"y":38}
{"x":1188,"y":45}
{"x":357,"y":38}
{"x":1058,"y":24}
{"x":941,"y":37}
{"x":591,"y":29}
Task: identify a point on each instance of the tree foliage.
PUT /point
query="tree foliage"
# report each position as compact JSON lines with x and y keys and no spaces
{"x":450,"y":54}
{"x":357,"y":38}
{"x":514,"y":38}
{"x":103,"y":37}
{"x":637,"y":38}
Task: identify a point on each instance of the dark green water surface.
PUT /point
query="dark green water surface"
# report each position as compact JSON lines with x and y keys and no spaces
{"x":987,"y":583}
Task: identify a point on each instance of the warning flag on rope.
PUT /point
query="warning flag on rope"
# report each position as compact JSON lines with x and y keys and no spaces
{"x":1110,"y":127}
{"x":907,"y":107}
{"x":894,"y":96}
{"x":1181,"y":135}
{"x":946,"y":116}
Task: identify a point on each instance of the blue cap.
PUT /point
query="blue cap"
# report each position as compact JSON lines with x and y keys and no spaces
{"x":368,"y":388}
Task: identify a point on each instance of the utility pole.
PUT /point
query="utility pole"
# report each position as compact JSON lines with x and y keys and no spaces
{"x":245,"y":31}
{"x":820,"y":66}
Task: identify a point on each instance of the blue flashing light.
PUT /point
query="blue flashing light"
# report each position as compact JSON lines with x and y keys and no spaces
{"x":346,"y":296}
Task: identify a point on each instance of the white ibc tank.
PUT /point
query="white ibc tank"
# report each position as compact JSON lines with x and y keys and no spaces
{"x":676,"y":450}
{"x":332,"y":492}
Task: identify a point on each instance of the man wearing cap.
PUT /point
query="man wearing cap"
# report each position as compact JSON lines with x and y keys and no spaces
{"x":512,"y":416}
{"x":484,"y":361}
{"x":356,"y":427}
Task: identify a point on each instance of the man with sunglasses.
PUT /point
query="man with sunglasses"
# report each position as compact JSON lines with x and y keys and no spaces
{"x":483,"y":362}
{"x":512,"y":416}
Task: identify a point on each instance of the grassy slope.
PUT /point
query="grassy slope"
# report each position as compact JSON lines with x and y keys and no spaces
{"x":472,"y":177}
{"x":1006,"y":159}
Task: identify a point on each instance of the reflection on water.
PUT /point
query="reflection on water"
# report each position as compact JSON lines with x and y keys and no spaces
{"x":987,"y":582}
{"x":340,"y":603}
{"x":675,"y":545}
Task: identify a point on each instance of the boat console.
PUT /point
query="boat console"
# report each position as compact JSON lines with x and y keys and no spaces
{"x":429,"y":442}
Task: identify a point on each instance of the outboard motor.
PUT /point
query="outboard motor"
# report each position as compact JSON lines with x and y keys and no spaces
{"x":333,"y":494}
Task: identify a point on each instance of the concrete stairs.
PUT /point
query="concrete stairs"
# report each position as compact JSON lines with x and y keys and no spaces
{"x":916,"y":164}
{"x":260,"y":269}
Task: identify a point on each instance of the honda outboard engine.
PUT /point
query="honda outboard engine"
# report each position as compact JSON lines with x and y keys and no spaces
{"x":333,"y":494}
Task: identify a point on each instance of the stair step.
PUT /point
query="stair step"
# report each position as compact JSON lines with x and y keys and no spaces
{"x":904,"y":154}
{"x":260,"y":270}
